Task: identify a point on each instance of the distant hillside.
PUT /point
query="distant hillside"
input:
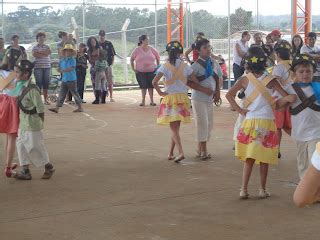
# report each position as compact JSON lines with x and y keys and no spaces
{"x":284,"y":22}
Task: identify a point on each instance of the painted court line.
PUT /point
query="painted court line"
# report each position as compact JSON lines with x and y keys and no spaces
{"x":104,"y":123}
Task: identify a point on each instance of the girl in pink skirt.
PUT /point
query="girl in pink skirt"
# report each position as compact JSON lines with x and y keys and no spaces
{"x":9,"y":116}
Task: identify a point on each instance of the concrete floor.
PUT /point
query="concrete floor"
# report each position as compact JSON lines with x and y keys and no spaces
{"x":113,"y":182}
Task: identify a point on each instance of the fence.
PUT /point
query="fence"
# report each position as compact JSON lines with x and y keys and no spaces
{"x":221,"y":21}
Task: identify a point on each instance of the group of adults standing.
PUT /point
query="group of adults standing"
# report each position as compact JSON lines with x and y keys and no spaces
{"x":272,"y":41}
{"x":95,"y":46}
{"x":41,"y":52}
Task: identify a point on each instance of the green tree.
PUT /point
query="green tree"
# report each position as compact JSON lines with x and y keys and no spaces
{"x":241,"y":20}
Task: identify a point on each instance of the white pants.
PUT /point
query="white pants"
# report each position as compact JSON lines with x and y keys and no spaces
{"x":237,"y":126}
{"x":305,"y":152}
{"x":31,"y":148}
{"x":203,"y":115}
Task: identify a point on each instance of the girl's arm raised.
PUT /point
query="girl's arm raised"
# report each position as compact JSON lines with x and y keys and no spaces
{"x":231,"y":95}
{"x":186,"y":54}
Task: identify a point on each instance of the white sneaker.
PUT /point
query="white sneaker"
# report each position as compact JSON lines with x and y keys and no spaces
{"x":263,"y":194}
{"x":244,"y":194}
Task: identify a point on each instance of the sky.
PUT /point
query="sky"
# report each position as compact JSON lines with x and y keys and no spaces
{"x":217,"y":7}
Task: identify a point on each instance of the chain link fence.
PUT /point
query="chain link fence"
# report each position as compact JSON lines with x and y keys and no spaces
{"x":211,"y":17}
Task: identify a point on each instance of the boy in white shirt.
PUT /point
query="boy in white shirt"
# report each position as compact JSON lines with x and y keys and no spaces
{"x":305,"y":111}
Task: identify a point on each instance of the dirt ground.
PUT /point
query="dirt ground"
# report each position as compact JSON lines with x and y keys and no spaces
{"x":113,"y":182}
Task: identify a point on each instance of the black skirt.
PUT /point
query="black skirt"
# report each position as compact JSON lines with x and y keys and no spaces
{"x":145,"y":79}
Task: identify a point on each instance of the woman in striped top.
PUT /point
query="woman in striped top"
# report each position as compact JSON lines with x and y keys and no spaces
{"x":41,"y":52}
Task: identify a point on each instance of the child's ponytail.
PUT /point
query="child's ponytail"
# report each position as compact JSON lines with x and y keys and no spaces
{"x":173,"y":55}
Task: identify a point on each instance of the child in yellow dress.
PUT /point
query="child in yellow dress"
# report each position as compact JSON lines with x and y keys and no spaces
{"x":175,"y":105}
{"x":257,"y":140}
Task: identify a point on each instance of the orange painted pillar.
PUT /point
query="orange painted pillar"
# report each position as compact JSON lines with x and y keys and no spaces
{"x":308,"y":16}
{"x":181,"y":33}
{"x":306,"y":25}
{"x":169,"y":20}
{"x":294,"y":17}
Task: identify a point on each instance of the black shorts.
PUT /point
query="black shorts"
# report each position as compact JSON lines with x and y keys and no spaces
{"x":145,"y":79}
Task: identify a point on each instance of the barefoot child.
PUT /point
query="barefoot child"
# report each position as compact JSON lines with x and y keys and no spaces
{"x":305,"y":111}
{"x":9,"y":116}
{"x":202,"y":104}
{"x":175,"y":105}
{"x":284,"y":74}
{"x":30,"y":141}
{"x":67,"y":67}
{"x":257,"y":140}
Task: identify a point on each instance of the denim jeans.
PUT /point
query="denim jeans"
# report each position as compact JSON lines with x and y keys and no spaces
{"x":238,"y":71}
{"x":72,"y":88}
{"x":42,"y":77}
{"x":81,"y":79}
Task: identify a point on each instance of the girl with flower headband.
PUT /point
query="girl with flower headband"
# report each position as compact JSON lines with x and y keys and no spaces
{"x":175,"y":105}
{"x":284,"y":75}
{"x":257,"y":140}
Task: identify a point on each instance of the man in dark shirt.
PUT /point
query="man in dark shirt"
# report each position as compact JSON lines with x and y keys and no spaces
{"x":108,"y":47}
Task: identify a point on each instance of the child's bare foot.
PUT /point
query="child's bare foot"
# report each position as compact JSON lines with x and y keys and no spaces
{"x":171,"y":157}
{"x":55,"y":110}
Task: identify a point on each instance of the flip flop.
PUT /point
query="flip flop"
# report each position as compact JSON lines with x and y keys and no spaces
{"x":206,"y":157}
{"x":53,"y":110}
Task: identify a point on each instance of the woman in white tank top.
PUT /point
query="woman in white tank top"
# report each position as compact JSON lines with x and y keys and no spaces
{"x":240,"y":50}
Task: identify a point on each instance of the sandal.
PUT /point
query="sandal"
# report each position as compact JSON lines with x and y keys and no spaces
{"x":78,"y":110}
{"x":244,"y":194}
{"x":170,"y":158}
{"x":8,"y":170}
{"x":55,"y":110}
{"x":178,"y":159}
{"x":264,"y":194}
{"x":206,"y":156}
